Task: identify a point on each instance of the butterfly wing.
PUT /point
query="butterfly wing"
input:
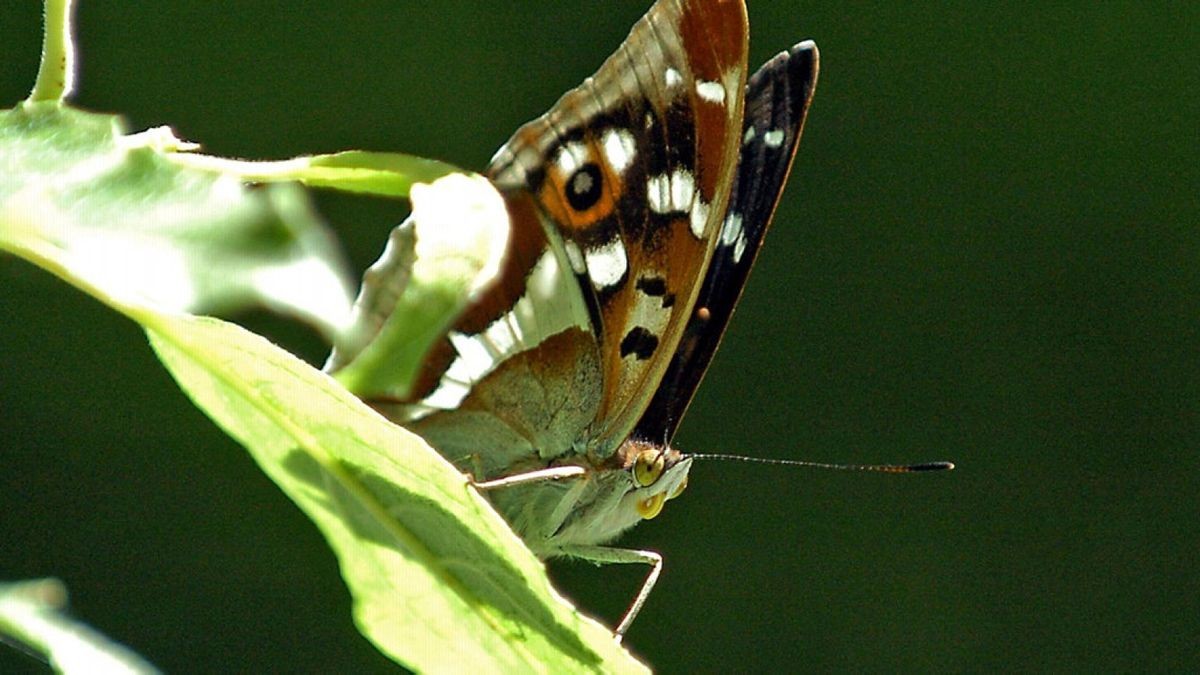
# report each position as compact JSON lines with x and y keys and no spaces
{"x":629,"y":175}
{"x":777,"y":100}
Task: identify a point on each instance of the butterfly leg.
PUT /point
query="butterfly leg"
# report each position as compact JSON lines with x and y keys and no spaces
{"x":605,"y":555}
{"x":540,"y":475}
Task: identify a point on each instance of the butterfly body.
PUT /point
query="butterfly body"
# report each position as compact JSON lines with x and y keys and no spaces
{"x":637,"y":204}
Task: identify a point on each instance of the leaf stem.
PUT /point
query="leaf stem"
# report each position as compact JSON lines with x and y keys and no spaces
{"x":56,"y":74}
{"x":32,"y":618}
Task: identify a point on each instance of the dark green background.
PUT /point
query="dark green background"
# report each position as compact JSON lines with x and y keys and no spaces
{"x":988,"y":253}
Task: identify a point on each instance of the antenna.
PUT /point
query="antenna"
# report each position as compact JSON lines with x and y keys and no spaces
{"x":878,"y":468}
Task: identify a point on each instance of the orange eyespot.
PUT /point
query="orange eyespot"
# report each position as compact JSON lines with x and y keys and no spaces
{"x":582,"y":187}
{"x":679,"y":489}
{"x":651,"y":506}
{"x":648,"y":468}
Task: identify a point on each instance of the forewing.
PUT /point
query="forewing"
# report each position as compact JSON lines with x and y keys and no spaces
{"x":631,"y":171}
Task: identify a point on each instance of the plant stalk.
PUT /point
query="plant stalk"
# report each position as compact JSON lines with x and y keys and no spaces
{"x":56,"y":74}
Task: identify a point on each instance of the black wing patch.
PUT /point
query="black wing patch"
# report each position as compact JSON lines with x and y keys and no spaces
{"x":777,"y":99}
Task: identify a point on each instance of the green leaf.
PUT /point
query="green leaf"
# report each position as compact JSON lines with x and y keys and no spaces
{"x":138,"y":226}
{"x":439,"y":580}
{"x":31,"y":613}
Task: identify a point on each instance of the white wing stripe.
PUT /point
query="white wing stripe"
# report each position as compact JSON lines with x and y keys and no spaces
{"x":551,"y":304}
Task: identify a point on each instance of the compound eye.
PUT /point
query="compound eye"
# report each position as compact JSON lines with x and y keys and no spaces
{"x":648,"y":468}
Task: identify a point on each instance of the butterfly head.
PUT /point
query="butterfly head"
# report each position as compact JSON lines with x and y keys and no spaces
{"x":624,"y":489}
{"x":656,"y":474}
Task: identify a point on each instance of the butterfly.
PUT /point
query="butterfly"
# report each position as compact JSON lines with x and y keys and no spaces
{"x":637,"y":206}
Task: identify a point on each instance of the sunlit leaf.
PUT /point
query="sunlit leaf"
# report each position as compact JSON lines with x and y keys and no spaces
{"x":440,"y":582}
{"x":131,"y":221}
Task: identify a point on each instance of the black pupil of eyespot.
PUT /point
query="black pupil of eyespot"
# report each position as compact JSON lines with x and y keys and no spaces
{"x":583,"y":189}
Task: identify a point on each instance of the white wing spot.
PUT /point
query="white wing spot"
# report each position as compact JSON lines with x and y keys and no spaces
{"x":607,"y":264}
{"x":672,"y":77}
{"x":683,"y":187}
{"x":773,"y":138}
{"x":619,"y":149}
{"x":671,"y":193}
{"x":749,"y":135}
{"x":699,"y":221}
{"x":658,"y":193}
{"x":731,"y":229}
{"x":739,"y":248}
{"x":572,"y":156}
{"x":713,"y":92}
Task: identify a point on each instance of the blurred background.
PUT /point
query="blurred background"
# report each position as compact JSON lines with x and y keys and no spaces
{"x":988,"y":253}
